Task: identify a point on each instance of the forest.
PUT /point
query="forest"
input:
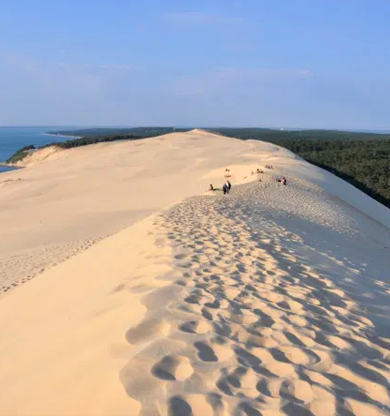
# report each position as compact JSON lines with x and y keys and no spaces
{"x":364,"y":164}
{"x":273,"y":135}
{"x":140,"y":132}
{"x":362,"y":159}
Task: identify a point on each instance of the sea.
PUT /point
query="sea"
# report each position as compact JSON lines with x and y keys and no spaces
{"x":14,"y":138}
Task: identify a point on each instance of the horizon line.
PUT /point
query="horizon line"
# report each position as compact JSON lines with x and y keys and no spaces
{"x":80,"y":127}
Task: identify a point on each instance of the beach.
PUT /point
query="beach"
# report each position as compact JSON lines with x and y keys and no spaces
{"x":129,"y":289}
{"x":65,"y":137}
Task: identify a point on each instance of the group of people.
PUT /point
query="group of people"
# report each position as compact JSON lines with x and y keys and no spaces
{"x":227,"y":185}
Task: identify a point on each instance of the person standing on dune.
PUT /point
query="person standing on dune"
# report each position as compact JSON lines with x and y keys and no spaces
{"x":228,"y":185}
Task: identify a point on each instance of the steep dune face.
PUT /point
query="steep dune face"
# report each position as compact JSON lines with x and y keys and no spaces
{"x":39,"y":156}
{"x":272,"y":300}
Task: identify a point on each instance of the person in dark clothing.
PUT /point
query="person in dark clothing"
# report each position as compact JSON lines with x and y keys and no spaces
{"x":225,"y":189}
{"x":229,"y":186}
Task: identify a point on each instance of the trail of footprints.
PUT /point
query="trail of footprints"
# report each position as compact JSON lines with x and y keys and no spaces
{"x":20,"y":267}
{"x":248,"y":329}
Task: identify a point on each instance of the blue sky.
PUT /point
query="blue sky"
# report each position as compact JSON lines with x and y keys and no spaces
{"x":279,"y":63}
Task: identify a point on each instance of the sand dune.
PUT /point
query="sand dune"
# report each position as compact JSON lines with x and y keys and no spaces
{"x":273,"y":300}
{"x":283,"y":326}
{"x":67,"y":200}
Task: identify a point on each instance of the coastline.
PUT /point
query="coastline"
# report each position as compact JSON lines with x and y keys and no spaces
{"x":61,"y":135}
{"x":10,"y":166}
{"x":13,"y":166}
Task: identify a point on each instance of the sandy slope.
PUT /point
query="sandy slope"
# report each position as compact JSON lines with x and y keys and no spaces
{"x":67,"y":200}
{"x":272,"y":300}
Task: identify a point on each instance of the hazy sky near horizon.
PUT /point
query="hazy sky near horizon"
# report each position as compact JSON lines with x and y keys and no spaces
{"x":277,"y":63}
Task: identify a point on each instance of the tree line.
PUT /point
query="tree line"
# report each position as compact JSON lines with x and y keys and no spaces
{"x":362,"y":159}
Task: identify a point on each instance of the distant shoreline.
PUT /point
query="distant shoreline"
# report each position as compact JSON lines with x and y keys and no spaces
{"x":62,"y":135}
{"x":12,"y":166}
{"x":9,"y":166}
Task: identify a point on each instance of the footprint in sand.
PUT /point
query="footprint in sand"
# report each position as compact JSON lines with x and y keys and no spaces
{"x":196,"y":405}
{"x":179,"y":407}
{"x":299,"y":356}
{"x":275,"y":362}
{"x":205,"y":352}
{"x":180,"y":256}
{"x":299,"y":389}
{"x":196,"y":327}
{"x":173,"y":368}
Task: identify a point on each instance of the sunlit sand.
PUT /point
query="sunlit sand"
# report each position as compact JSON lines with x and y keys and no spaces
{"x":146,"y":295}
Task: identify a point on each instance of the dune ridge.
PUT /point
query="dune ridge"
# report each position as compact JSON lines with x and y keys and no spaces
{"x":273,"y":300}
{"x":68,"y":199}
{"x":264,"y":320}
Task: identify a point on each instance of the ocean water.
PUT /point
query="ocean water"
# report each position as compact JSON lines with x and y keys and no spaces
{"x":13,"y":138}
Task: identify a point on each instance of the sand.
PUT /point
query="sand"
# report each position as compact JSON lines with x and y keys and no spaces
{"x":67,"y":200}
{"x":272,"y":300}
